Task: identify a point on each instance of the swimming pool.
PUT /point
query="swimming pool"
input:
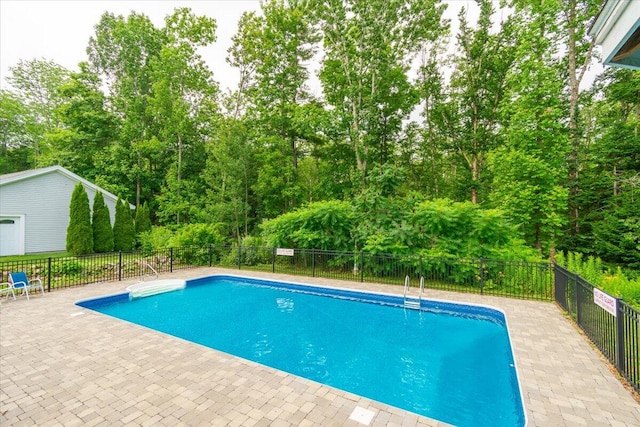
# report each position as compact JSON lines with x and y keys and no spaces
{"x":447,"y":361}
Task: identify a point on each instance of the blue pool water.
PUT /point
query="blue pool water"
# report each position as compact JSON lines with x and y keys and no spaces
{"x":449,"y":362}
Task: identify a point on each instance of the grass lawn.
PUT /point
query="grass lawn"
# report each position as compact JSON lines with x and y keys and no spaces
{"x":32,"y":256}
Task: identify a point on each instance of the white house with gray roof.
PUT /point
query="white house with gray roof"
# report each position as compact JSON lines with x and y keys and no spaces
{"x":34,"y":209}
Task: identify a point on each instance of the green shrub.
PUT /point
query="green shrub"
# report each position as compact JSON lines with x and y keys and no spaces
{"x":320,"y":225}
{"x":79,"y":231}
{"x":101,"y":223}
{"x":463,"y":230}
{"x":143,"y":219}
{"x":253,"y":253}
{"x":197,"y":235}
{"x":156,"y":238}
{"x":68,"y":268}
{"x":124,"y":233}
{"x":618,"y":284}
{"x":613,"y":281}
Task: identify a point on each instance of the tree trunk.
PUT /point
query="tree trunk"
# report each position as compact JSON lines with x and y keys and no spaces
{"x":475,"y":175}
{"x":138,"y":181}
{"x":359,"y":146}
{"x":573,"y":126}
{"x":179,"y":175}
{"x":294,"y":153}
{"x":246,"y":201}
{"x":475,"y":164}
{"x":575,"y":78}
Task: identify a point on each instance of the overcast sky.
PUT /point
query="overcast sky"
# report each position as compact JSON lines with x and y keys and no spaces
{"x":60,"y":30}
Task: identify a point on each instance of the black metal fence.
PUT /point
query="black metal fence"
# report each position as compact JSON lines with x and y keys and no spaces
{"x":616,"y":335}
{"x":491,"y":277}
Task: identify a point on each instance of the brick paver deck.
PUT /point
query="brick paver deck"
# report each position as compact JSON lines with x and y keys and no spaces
{"x":62,"y":365}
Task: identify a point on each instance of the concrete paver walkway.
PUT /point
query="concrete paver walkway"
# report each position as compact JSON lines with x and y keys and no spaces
{"x":65,"y":365}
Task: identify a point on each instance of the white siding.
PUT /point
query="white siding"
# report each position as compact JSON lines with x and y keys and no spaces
{"x":44,"y":200}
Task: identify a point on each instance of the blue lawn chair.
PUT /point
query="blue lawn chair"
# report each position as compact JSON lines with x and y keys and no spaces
{"x":19,"y":281}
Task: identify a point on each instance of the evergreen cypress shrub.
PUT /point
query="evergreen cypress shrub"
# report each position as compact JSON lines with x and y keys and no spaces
{"x":124,"y":233}
{"x":143,"y":219}
{"x":79,"y":231}
{"x":101,"y":222}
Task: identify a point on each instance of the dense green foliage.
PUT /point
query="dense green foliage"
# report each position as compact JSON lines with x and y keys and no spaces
{"x":321,"y":225}
{"x":611,"y":206}
{"x":614,"y":281}
{"x":199,"y":235}
{"x":438,"y":228}
{"x":124,"y":232}
{"x":355,"y":125}
{"x":101,"y":224}
{"x":79,"y":231}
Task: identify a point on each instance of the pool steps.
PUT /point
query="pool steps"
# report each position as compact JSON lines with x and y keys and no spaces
{"x":154,"y":287}
{"x":409,"y":301}
{"x":412,"y":303}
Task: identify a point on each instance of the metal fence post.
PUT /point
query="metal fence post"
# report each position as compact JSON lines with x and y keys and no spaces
{"x":49,"y":274}
{"x":556,"y":288}
{"x":171,"y":260}
{"x":273,"y":260}
{"x":210,"y":255}
{"x":239,"y":256}
{"x":620,"y":362}
{"x":481,"y":277}
{"x":120,"y":266}
{"x":313,"y":263}
{"x":361,"y":266}
{"x":577,"y":285}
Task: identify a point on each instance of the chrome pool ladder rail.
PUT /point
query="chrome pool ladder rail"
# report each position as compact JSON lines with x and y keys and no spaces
{"x":406,"y":286}
{"x":146,"y":266}
{"x":410,"y":302}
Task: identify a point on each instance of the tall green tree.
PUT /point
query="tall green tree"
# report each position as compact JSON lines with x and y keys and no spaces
{"x":101,"y":224}
{"x":271,"y":52}
{"x":124,"y":233}
{"x":476,"y":89}
{"x":87,"y":128}
{"x":230,"y":175}
{"x":529,"y":171}
{"x":610,"y":176}
{"x":121,"y":52}
{"x":16,"y":153}
{"x":79,"y":231}
{"x":570,"y":30}
{"x":527,"y":188}
{"x":423,"y":146}
{"x":286,"y":45}
{"x":182,"y":101}
{"x":576,"y":16}
{"x":368,"y":47}
{"x":36,"y":82}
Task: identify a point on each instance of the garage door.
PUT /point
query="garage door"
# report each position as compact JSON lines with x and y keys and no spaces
{"x":11,"y":236}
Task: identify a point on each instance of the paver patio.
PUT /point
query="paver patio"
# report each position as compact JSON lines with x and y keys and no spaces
{"x":64,"y":365}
